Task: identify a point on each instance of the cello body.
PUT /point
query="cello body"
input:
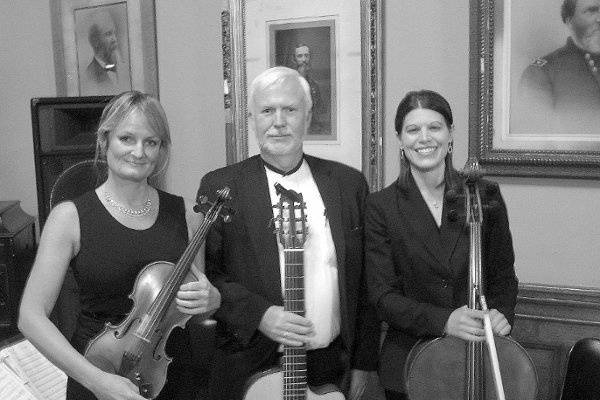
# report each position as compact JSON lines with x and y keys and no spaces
{"x":451,"y":368}
{"x":438,"y":369}
{"x":107,"y":350}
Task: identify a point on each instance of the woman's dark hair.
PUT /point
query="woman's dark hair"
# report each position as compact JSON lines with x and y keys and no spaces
{"x":422,"y":99}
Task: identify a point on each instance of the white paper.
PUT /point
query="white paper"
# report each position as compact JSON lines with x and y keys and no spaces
{"x":35,"y":372}
{"x":11,"y":387}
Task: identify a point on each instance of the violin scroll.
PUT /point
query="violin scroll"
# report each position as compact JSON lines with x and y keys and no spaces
{"x":204,"y":205}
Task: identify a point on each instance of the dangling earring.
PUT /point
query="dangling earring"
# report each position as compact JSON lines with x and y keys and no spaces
{"x":402,"y":153}
{"x":450,"y":147}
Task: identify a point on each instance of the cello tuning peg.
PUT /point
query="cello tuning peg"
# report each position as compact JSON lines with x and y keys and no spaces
{"x":453,"y":215}
{"x":452,"y":195}
{"x":491,"y":190}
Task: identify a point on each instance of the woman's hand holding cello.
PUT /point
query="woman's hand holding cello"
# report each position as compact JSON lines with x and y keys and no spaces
{"x":467,"y":324}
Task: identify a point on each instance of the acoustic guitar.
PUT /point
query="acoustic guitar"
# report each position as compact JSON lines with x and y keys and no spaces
{"x":289,"y":381}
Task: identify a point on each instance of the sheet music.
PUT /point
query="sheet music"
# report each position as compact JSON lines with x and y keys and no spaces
{"x":42,"y":377}
{"x":11,"y":387}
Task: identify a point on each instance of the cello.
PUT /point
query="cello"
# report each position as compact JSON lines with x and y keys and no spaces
{"x":135,"y":348}
{"x":450,"y":368}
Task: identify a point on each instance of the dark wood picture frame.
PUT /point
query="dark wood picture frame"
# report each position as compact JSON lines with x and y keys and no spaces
{"x":576,"y":159}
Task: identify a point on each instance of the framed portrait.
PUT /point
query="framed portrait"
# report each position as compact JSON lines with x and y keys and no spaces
{"x":309,"y":48}
{"x":104,"y":47}
{"x":535,"y":87}
{"x":322,"y":40}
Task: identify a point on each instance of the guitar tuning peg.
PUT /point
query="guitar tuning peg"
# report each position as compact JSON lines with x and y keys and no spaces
{"x":227,"y":218}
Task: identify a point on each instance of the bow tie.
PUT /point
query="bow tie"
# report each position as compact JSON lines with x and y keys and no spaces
{"x":111,"y":67}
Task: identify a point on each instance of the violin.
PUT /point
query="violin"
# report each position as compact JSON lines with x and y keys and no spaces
{"x":135,"y":348}
{"x":449,"y":368}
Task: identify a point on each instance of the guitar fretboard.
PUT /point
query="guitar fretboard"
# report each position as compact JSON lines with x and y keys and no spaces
{"x":294,"y":358}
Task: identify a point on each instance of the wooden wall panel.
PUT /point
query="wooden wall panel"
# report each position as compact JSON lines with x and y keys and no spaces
{"x":548,"y":321}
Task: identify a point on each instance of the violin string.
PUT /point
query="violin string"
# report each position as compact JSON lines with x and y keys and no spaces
{"x":167,"y":292}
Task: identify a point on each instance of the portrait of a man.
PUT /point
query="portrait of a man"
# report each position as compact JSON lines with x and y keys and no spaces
{"x":559,"y":93}
{"x":306,"y":47}
{"x":102,"y":51}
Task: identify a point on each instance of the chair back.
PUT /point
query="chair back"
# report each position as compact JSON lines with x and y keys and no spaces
{"x":582,"y":379}
{"x":77,"y":179}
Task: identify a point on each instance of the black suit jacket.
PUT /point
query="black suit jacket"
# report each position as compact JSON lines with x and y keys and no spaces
{"x":418,"y":274}
{"x":242,"y":261}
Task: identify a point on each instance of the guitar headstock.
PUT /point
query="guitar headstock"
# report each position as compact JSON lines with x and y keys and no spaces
{"x":290,"y":218}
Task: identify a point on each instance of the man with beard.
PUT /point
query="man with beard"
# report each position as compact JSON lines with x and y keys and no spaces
{"x":302,"y":63}
{"x":106,"y":73}
{"x":561,"y":91}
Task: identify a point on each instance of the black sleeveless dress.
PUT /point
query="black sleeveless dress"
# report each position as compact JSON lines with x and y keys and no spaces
{"x":110,"y":257}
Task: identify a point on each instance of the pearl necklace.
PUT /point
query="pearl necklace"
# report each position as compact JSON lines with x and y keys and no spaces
{"x":131,"y":212}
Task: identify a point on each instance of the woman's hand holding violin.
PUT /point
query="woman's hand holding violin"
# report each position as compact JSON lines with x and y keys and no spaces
{"x":198,"y":297}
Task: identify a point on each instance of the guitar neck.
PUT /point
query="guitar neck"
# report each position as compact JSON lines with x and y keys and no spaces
{"x":293,"y":299}
{"x":294,"y":358}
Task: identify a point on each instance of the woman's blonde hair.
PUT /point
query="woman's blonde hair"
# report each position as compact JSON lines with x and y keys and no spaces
{"x":119,"y":108}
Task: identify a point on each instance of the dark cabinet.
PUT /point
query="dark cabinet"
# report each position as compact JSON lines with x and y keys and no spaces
{"x":17,"y":251}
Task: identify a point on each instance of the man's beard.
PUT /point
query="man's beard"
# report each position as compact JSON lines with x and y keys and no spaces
{"x":303,"y":69}
{"x":589,"y":39}
{"x":110,"y":56}
{"x":592,"y":42}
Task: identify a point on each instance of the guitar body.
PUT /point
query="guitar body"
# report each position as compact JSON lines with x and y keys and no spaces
{"x":268,"y":385}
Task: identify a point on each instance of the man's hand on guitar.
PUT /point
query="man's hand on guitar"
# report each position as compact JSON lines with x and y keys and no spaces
{"x":286,"y":327}
{"x":198,"y":297}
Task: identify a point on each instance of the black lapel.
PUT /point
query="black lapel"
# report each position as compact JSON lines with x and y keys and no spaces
{"x":415,"y":211}
{"x":330,"y":193}
{"x":453,"y":226}
{"x":258,"y":215}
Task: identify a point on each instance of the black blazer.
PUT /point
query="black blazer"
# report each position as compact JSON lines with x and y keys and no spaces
{"x":242,"y":261}
{"x":417,"y":273}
